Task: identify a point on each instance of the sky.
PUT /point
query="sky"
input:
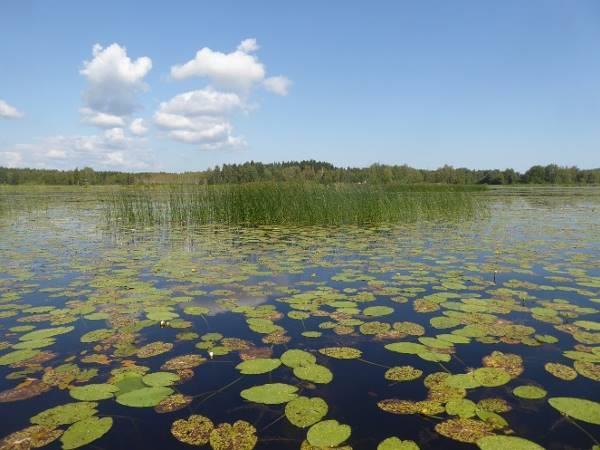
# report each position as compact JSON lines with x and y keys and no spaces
{"x":187,"y":85}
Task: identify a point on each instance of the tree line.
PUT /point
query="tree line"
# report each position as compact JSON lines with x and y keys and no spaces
{"x":317,"y":171}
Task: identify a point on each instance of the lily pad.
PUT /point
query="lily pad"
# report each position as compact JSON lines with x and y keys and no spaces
{"x":195,"y":430}
{"x":328,"y":433}
{"x":17,"y":356}
{"x":464,"y":430}
{"x":394,"y":443}
{"x":403,"y":373}
{"x":410,"y":348}
{"x":258,"y":366}
{"x":239,"y":436}
{"x":529,"y":392}
{"x":65,"y":414}
{"x":491,"y":377}
{"x":173,"y":402}
{"x":304,"y":412}
{"x":85,"y":431}
{"x":341,"y":352}
{"x":145,"y":397}
{"x":270,"y":394}
{"x":577,"y":408}
{"x":314,"y":373}
{"x":93,"y":392}
{"x":506,"y":442}
{"x":160,"y":379}
{"x":296,"y":358}
{"x":561,"y":371}
{"x":34,"y":436}
{"x":154,"y":349}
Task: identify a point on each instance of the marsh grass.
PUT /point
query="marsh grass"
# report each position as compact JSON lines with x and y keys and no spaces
{"x":274,"y":203}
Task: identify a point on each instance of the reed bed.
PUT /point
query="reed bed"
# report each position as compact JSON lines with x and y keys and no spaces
{"x":274,"y":203}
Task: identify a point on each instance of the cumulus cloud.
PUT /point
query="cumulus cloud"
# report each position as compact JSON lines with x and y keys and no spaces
{"x":239,"y":70}
{"x":8,"y":111}
{"x":279,"y":85}
{"x":138,"y":127}
{"x":204,"y":116}
{"x":114,"y":80}
{"x":110,"y":150}
{"x":100,"y":119}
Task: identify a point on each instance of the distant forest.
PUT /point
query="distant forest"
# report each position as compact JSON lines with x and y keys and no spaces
{"x":315,"y":171}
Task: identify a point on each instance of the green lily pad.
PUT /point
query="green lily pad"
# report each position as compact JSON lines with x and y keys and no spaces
{"x":239,"y":436}
{"x":160,"y":379}
{"x":506,"y":442}
{"x":314,"y":373}
{"x":304,"y":412}
{"x":270,"y":394}
{"x":561,"y":371}
{"x":410,"y":348}
{"x":85,"y":431}
{"x":377,"y":311}
{"x":97,"y":335}
{"x":17,"y":356}
{"x":577,"y":408}
{"x":491,"y":376}
{"x":403,"y":373}
{"x":394,"y":443}
{"x":65,"y":414}
{"x":145,"y":397}
{"x":195,"y":430}
{"x":296,"y":358}
{"x":45,"y":333}
{"x":328,"y":433}
{"x":464,"y":430}
{"x":341,"y":352}
{"x":463,"y":381}
{"x":529,"y":392}
{"x":93,"y":392}
{"x":462,"y":407}
{"x":258,"y":366}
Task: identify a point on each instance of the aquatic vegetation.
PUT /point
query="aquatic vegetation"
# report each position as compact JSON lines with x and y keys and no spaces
{"x":65,"y":414}
{"x":504,"y":442}
{"x":269,"y":203}
{"x":403,"y":373}
{"x":328,"y":433}
{"x":529,"y":392}
{"x":561,"y":371}
{"x":144,"y":397}
{"x":85,"y":431}
{"x":577,"y":408}
{"x":314,"y":373}
{"x":258,"y":366}
{"x":394,"y":443}
{"x":270,"y":394}
{"x":341,"y":352}
{"x":241,"y":435}
{"x":195,"y":430}
{"x":304,"y":412}
{"x":34,"y":436}
{"x":459,"y":306}
{"x":93,"y":392}
{"x":464,"y":430}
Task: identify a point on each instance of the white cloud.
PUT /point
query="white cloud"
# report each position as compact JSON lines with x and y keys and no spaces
{"x":237,"y":70}
{"x":248,"y":45}
{"x":202,"y":102}
{"x":10,"y":159}
{"x":8,"y":111}
{"x":114,"y":80}
{"x":201,"y":117}
{"x":110,"y":150}
{"x":137,"y":127}
{"x":279,"y":85}
{"x":100,"y":119}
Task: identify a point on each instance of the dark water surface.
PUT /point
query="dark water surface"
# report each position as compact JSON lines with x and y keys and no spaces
{"x":543,"y":246}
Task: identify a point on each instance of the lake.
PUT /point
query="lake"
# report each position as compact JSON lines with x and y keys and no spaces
{"x":446,"y":332}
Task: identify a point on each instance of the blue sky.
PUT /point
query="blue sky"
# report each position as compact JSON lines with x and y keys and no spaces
{"x":187,"y":85}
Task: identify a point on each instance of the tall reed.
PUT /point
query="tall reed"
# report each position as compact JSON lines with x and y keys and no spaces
{"x":273,"y":203}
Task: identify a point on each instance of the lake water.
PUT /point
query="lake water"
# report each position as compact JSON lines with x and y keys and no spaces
{"x":522,"y":279}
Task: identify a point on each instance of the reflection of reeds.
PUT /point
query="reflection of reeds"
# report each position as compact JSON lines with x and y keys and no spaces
{"x":291,"y":203}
